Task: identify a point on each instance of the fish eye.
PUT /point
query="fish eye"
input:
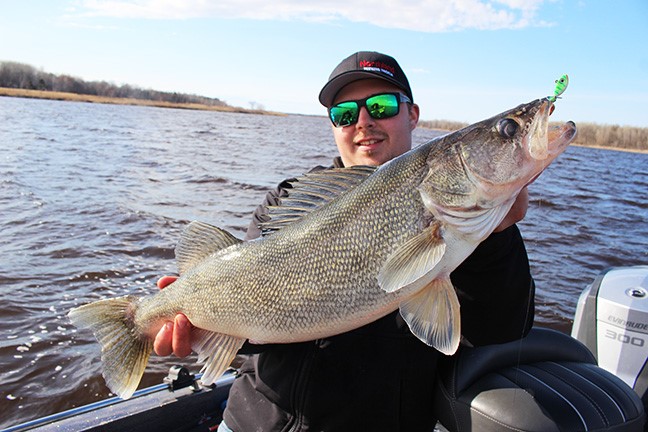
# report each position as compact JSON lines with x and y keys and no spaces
{"x":507,"y":127}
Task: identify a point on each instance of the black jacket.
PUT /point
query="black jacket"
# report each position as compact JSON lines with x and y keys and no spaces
{"x":378,"y":377}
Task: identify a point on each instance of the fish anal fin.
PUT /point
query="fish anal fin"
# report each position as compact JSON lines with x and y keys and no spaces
{"x":217,"y":350}
{"x":433,"y":316}
{"x":198,"y":241}
{"x":413,"y":259}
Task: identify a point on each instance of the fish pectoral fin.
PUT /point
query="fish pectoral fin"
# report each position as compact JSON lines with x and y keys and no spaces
{"x":217,"y":350}
{"x":198,"y":241}
{"x":432,"y":315}
{"x":413,"y":259}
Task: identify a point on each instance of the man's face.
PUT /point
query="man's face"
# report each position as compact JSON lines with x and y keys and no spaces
{"x":370,"y":141}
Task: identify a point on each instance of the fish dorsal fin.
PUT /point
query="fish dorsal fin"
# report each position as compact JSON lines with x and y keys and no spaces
{"x":432,"y":314}
{"x":198,"y":241}
{"x":413,"y":259}
{"x":311,"y":191}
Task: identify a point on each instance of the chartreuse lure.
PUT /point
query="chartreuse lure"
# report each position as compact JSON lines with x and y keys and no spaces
{"x":561,"y":86}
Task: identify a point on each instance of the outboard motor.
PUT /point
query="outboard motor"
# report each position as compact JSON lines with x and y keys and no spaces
{"x":612,"y":321}
{"x":549,"y":381}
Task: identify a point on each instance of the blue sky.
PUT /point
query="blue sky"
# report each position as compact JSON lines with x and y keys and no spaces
{"x":466,"y":59}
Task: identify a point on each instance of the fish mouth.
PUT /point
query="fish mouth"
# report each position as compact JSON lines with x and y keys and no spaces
{"x":547,"y":141}
{"x":559,"y":137}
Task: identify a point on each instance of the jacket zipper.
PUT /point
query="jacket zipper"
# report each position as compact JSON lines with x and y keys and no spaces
{"x":302,"y":382}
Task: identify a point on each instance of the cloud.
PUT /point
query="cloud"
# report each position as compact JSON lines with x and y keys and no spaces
{"x":416,"y":15}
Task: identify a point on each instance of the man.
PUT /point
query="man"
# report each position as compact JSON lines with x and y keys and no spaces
{"x":378,"y":377}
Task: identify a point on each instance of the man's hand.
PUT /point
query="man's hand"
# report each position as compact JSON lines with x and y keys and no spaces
{"x":517,"y":212}
{"x":174,"y":337}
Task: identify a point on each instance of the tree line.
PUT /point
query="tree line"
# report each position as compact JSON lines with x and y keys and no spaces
{"x":24,"y":76}
{"x":589,"y":134}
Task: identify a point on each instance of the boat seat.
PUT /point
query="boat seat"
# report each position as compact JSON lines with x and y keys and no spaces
{"x":546,"y":382}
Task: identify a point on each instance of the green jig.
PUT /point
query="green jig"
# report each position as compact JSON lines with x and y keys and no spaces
{"x":561,"y":86}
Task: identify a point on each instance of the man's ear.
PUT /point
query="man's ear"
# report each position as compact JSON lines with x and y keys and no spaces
{"x":414,"y":113}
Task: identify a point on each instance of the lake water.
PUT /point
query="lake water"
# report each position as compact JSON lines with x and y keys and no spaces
{"x":93,"y":199}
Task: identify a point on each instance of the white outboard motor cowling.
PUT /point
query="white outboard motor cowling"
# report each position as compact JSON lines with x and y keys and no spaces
{"x":612,"y":321}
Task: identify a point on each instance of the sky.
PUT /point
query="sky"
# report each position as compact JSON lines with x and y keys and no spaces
{"x":466,"y":60}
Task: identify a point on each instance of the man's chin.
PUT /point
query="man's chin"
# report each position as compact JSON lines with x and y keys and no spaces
{"x":368,"y":157}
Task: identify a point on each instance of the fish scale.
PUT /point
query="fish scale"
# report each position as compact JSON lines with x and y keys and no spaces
{"x":350,"y":246}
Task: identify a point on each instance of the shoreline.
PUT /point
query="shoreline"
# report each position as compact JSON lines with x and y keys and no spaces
{"x":76,"y":97}
{"x":627,"y":150}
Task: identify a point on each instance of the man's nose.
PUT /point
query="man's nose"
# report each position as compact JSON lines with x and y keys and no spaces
{"x":364,"y":119}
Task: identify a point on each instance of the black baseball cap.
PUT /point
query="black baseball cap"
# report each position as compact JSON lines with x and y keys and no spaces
{"x":364,"y":65}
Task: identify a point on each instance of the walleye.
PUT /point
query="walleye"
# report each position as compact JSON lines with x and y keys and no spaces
{"x":346,"y":247}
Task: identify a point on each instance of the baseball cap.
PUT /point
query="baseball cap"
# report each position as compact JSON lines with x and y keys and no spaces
{"x":364,"y":65}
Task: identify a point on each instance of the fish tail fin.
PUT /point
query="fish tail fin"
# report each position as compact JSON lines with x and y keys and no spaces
{"x":432,"y":314}
{"x":124,"y":351}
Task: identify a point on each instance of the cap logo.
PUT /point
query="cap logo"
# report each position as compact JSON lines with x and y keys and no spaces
{"x":377,"y":66}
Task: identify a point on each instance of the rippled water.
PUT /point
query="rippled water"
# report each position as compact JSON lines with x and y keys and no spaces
{"x":93,"y":199}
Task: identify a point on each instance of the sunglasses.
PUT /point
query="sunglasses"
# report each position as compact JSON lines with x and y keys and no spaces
{"x":379,"y":106}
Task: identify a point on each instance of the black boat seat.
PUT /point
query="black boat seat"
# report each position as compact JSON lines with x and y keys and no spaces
{"x":545,"y":382}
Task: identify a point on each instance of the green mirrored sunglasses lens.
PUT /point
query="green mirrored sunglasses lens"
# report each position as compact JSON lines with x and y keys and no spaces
{"x":344,"y":114}
{"x":382,"y":106}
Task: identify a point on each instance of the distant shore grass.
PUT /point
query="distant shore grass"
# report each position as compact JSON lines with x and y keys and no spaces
{"x":75,"y":97}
